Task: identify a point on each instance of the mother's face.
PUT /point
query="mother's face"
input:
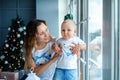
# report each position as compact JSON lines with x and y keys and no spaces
{"x":43,"y":34}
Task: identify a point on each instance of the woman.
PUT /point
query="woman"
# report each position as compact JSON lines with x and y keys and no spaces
{"x":38,"y":54}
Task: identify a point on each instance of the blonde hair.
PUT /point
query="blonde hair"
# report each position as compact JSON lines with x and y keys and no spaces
{"x":70,"y":21}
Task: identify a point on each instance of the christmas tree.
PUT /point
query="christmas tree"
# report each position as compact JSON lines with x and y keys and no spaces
{"x":11,"y":54}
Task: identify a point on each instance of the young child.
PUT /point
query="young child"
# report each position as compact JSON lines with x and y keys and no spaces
{"x":67,"y":64}
{"x":38,"y":54}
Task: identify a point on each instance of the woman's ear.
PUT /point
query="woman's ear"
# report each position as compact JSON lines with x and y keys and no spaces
{"x":36,"y":35}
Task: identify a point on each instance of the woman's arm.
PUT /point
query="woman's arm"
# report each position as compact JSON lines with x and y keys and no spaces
{"x":40,"y":69}
{"x":77,"y":47}
{"x":82,"y":46}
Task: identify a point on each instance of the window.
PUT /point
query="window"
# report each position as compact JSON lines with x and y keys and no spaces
{"x":95,"y":39}
{"x":99,"y":21}
{"x":98,"y":25}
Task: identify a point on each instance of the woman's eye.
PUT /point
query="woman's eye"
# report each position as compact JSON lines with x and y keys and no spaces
{"x":41,"y":33}
{"x":46,"y":29}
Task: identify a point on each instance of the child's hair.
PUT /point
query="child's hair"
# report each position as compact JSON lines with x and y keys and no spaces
{"x":69,"y":21}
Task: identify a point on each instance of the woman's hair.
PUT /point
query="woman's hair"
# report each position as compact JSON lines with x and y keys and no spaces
{"x":30,"y":39}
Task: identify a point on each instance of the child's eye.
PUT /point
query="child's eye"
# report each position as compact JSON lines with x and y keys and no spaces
{"x":63,"y":30}
{"x":69,"y":29}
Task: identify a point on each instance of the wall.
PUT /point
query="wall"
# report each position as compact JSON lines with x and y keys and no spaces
{"x":48,"y":10}
{"x":62,"y":12}
{"x":10,"y":9}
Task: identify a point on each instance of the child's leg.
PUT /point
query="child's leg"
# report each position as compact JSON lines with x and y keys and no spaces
{"x":71,"y":74}
{"x":59,"y":74}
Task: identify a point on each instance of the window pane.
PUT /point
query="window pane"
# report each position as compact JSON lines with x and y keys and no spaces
{"x":95,"y":39}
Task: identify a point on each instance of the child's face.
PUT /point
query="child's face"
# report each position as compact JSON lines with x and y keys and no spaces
{"x":68,"y":30}
{"x":43,"y":34}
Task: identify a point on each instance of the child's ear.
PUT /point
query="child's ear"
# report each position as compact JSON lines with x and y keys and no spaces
{"x":75,"y":31}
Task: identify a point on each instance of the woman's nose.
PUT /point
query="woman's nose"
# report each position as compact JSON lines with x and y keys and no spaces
{"x":46,"y":33}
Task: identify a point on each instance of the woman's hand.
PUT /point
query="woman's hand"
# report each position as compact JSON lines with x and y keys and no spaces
{"x":32,"y":65}
{"x":75,"y":49}
{"x":41,"y":68}
{"x":56,"y":56}
{"x":56,"y":49}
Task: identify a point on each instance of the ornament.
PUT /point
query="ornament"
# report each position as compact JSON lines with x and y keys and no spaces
{"x":14,"y":40}
{"x":9,"y":29}
{"x":13,"y":56}
{"x":21,"y":42}
{"x":16,"y":58}
{"x":18,"y":22}
{"x":21,"y":50}
{"x":1,"y":67}
{"x":5,"y":52}
{"x":68,"y":16}
{"x":20,"y":46}
{"x":24,"y":33}
{"x":18,"y":35}
{"x":6,"y":62}
{"x":23,"y":58}
{"x":20,"y":29}
{"x":13,"y":49}
{"x":5,"y":41}
{"x":18,"y":61}
{"x":2,"y":57}
{"x":7,"y":45}
{"x":9,"y":66}
{"x":24,"y":28}
{"x":13,"y":30}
